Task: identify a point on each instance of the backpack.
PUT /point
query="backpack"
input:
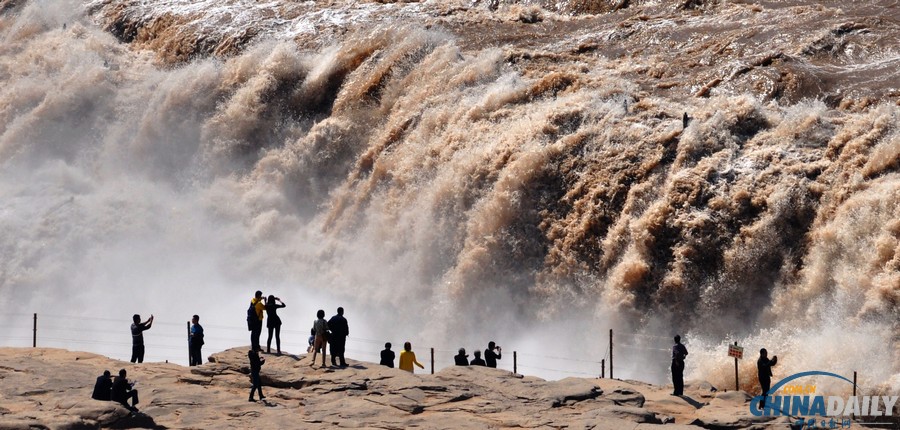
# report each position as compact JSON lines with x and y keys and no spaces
{"x":252,"y":318}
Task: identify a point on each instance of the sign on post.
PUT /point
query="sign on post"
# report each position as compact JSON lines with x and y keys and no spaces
{"x":736,"y":351}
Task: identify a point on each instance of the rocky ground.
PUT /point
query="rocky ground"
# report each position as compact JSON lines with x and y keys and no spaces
{"x":51,"y":388}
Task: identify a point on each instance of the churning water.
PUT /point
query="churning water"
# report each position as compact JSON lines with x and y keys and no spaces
{"x":453,"y":174}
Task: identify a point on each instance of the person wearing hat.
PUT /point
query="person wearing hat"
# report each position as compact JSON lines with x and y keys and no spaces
{"x":461,"y":359}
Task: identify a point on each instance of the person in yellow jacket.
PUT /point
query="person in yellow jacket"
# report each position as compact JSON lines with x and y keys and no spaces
{"x":259,"y":304}
{"x":408,"y":358}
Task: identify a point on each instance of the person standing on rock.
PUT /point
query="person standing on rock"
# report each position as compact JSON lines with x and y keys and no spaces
{"x":122,"y":391}
{"x":461,"y":359}
{"x":387,"y":356}
{"x":103,"y":387}
{"x":137,"y":337}
{"x":477,"y":361}
{"x":679,"y":353}
{"x":408,"y":358}
{"x":257,"y":306}
{"x":491,"y":357}
{"x":339,"y":332}
{"x":321,"y":328}
{"x":195,"y":342}
{"x":256,"y":363}
{"x":273,"y":323}
{"x":764,"y":368}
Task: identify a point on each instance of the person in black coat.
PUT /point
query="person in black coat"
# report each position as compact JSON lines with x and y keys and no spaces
{"x":339,"y":329}
{"x":256,"y":363}
{"x":273,"y":323}
{"x":764,"y":368}
{"x":679,"y":353}
{"x":491,"y":357}
{"x":122,"y":391}
{"x":387,"y":356}
{"x":461,"y":359}
{"x":103,"y":387}
{"x":477,"y":361}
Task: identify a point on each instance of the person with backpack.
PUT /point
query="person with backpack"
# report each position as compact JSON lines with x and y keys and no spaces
{"x":255,"y":319}
{"x":273,"y":322}
{"x":195,"y":342}
{"x":137,"y":337}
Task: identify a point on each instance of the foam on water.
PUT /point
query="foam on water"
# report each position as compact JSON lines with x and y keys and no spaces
{"x":443,"y":196}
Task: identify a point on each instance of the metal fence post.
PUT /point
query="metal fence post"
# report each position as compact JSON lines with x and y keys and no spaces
{"x":611,"y":354}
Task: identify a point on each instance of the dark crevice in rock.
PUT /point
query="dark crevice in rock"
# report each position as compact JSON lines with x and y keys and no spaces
{"x":575,"y":398}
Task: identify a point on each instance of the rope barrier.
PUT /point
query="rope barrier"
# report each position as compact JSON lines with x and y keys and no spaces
{"x":561,"y":358}
{"x":61,"y":335}
{"x":650,"y":336}
{"x":557,"y":370}
{"x":640,"y":348}
{"x":102,"y":342}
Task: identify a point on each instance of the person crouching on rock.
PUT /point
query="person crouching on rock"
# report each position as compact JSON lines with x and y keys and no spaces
{"x":256,"y":363}
{"x":408,"y":358}
{"x":122,"y":390}
{"x":387,"y":356}
{"x":103,"y":387}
